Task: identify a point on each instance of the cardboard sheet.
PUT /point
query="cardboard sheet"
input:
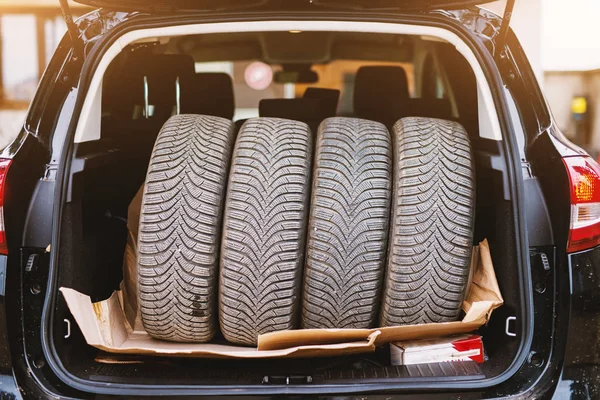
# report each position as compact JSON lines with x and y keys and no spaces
{"x":104,"y":326}
{"x":113,"y":325}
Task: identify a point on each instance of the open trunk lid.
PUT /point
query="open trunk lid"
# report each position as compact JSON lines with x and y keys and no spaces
{"x":199,"y":5}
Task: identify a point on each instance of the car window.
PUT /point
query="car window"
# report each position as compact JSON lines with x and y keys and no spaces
{"x":246,"y":97}
{"x":338,"y":74}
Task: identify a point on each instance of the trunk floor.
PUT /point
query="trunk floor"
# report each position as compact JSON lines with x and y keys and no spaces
{"x":373,"y":368}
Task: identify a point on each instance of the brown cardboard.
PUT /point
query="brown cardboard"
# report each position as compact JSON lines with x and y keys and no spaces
{"x":104,"y":326}
{"x":113,"y":325}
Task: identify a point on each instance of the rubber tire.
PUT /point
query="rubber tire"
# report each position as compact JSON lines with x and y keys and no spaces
{"x":348,"y":224}
{"x":180,"y":227}
{"x":264,"y":228}
{"x":433,"y":208}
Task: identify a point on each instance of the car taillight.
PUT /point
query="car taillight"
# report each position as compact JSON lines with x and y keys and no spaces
{"x":4,"y":164}
{"x":584,"y":176}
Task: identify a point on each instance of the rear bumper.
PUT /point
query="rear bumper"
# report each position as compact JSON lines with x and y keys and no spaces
{"x":581,"y":373}
{"x":566,"y":340}
{"x":567,"y":331}
{"x":8,"y":385}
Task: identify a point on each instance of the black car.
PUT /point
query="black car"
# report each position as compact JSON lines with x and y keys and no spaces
{"x":67,"y":180}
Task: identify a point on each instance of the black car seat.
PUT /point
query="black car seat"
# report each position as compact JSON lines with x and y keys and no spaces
{"x":329,"y":99}
{"x":139,"y":95}
{"x":209,"y":93}
{"x":430,"y":107}
{"x":162,"y":75}
{"x":142,"y":96}
{"x":309,"y":111}
{"x":381,"y":93}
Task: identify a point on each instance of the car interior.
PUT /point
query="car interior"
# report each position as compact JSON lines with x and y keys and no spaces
{"x":315,"y":75}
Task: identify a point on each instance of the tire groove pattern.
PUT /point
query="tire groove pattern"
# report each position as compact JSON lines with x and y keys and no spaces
{"x":431,"y":233}
{"x":264,"y":229}
{"x":180,"y":227}
{"x":348,"y":224}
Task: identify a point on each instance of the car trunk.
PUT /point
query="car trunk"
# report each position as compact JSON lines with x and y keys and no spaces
{"x":91,"y":262}
{"x":105,"y":176}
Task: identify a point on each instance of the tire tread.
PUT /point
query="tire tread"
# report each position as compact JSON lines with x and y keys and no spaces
{"x":431,"y":233}
{"x":348,"y":224}
{"x":264,"y":229}
{"x":180,"y":224}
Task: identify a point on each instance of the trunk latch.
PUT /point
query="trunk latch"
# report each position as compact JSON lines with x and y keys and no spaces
{"x":287,"y":379}
{"x":507,"y":329}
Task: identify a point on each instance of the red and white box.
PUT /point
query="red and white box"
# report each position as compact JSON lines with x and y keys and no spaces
{"x":448,"y":349}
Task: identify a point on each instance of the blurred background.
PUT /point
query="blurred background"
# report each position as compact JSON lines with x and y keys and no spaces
{"x":562,"y":40}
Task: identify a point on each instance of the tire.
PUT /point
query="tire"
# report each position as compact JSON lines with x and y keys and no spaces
{"x":348,"y":224}
{"x":266,"y":209}
{"x":431,"y":233}
{"x":180,"y":227}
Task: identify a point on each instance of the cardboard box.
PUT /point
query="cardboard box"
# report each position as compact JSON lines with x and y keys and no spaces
{"x":114,"y":325}
{"x":447,"y":349}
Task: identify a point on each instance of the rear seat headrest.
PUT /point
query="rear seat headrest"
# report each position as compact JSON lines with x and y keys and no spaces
{"x":161,"y":72}
{"x":380,"y":92}
{"x":329,"y":99}
{"x":169,"y":65}
{"x":298,"y":109}
{"x":430,"y":108}
{"x":208,"y":94}
{"x":309,"y":111}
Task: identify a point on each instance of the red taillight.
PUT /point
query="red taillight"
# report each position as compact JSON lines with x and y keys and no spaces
{"x":584,"y":177}
{"x":4,"y":164}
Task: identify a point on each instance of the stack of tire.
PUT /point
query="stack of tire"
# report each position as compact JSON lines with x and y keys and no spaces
{"x":264,"y":230}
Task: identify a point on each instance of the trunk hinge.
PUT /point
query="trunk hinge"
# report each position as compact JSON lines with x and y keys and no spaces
{"x":502,"y":35}
{"x":73,"y":30}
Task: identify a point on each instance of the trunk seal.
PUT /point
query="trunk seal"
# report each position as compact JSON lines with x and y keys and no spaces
{"x":516,"y":190}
